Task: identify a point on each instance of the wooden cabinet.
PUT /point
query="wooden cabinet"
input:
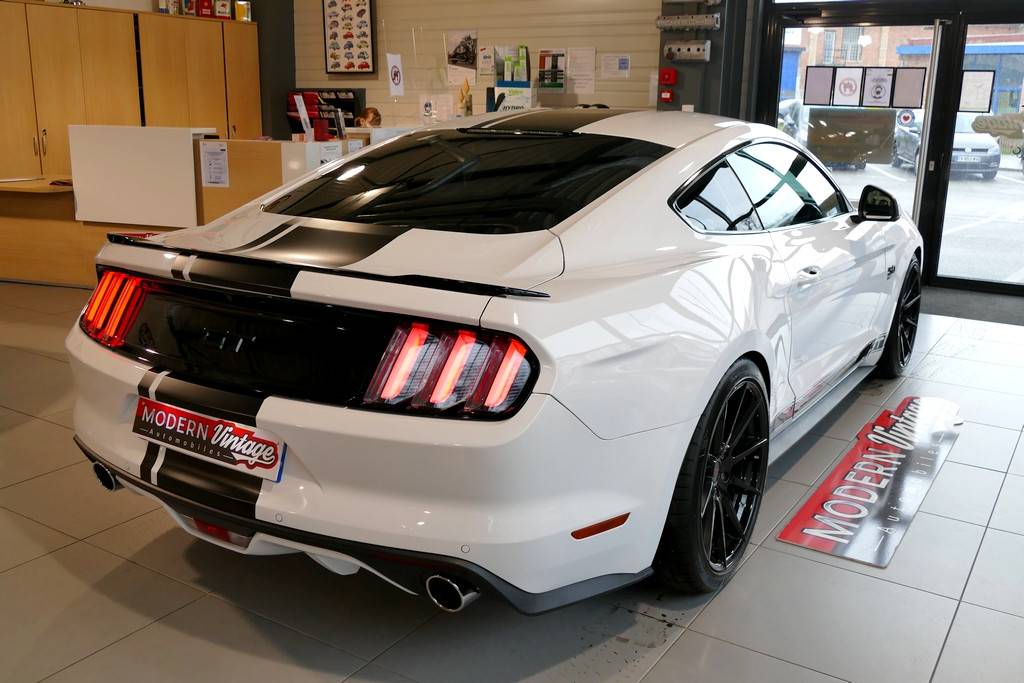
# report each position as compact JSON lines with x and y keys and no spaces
{"x":19,"y":142}
{"x":57,"y":81}
{"x":204,"y":57}
{"x":109,"y":69}
{"x":183,"y":72}
{"x":242,"y":69}
{"x":164,"y":78}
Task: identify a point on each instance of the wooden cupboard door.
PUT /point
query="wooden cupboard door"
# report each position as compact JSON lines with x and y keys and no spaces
{"x":242,"y":71}
{"x":162,"y":50}
{"x":57,"y":81}
{"x":109,"y":72}
{"x":207,"y":104}
{"x":19,"y":144}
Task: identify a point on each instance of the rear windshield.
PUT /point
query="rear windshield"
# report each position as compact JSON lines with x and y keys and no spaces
{"x":481,"y":181}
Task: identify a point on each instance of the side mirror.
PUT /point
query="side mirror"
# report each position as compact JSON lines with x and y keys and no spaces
{"x":877,"y":205}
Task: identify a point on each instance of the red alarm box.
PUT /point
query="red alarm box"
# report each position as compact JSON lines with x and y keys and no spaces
{"x":667,"y":75}
{"x":666,"y":95}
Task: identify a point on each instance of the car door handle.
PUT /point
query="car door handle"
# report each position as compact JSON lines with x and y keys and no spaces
{"x":808,"y":276}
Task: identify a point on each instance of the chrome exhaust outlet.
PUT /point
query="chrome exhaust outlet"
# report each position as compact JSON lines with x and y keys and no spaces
{"x":450,"y":594}
{"x":105,"y":477}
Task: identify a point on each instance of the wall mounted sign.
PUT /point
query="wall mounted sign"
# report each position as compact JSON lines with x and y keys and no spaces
{"x":976,"y":91}
{"x":396,"y":76}
{"x":349,"y":37}
{"x":862,"y":510}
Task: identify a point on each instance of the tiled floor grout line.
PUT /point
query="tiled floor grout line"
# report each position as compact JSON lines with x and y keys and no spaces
{"x":952,"y":622}
{"x":36,"y":521}
{"x":38,"y":417}
{"x":126,"y":635}
{"x":37,"y":354}
{"x":41,"y":474}
{"x":765,"y":654}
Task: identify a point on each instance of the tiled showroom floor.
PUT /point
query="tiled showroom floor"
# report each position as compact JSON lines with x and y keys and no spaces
{"x":99,"y":586}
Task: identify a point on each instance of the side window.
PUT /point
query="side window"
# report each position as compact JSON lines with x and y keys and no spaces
{"x":717,"y":203}
{"x":786,"y":188}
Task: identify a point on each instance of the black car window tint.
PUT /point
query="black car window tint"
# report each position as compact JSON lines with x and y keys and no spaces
{"x":483,"y":181}
{"x":773,"y":176}
{"x":790,"y":163}
{"x":717,"y":203}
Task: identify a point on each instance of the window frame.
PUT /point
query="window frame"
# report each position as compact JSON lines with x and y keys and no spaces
{"x":699,"y":174}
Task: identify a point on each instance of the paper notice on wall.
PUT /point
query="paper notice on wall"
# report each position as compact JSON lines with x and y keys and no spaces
{"x":847,"y":87}
{"x":460,"y":45}
{"x":396,"y":77}
{"x":615,"y":66}
{"x":878,"y":86}
{"x":976,"y":91}
{"x":213,"y":159}
{"x":354,"y":144}
{"x":580,"y":75}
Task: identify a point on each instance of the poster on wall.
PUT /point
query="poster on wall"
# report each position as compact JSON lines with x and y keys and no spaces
{"x":551,"y":69}
{"x":818,"y":85}
{"x":461,"y":48}
{"x":908,"y":93}
{"x":485,"y":61}
{"x":349,"y":37}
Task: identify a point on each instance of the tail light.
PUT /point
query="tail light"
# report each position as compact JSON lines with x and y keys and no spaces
{"x":113,"y":307}
{"x":430,"y":368}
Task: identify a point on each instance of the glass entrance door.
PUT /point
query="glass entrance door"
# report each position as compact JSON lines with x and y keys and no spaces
{"x":838,"y":96}
{"x":983,"y":229}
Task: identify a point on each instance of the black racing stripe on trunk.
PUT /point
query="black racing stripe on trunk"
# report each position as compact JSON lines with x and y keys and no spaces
{"x":556,"y":120}
{"x":226,"y":405}
{"x":269,"y":235}
{"x":209,"y":484}
{"x":148,"y":460}
{"x":253,"y":276}
{"x":146,"y":382}
{"x":325,"y":247}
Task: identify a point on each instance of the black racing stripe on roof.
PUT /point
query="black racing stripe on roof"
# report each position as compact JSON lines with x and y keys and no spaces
{"x":328,"y":247}
{"x":555,"y":120}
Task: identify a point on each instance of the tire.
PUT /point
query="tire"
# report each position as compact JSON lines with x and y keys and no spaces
{"x":896,"y":161}
{"x":899,"y":343}
{"x":717,"y":476}
{"x":989,"y":175}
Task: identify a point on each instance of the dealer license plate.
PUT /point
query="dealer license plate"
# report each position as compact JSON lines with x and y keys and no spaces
{"x":969,"y":160}
{"x":223,"y":442}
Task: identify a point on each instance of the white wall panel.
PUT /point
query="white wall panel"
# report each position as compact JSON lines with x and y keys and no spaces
{"x":415,"y":29}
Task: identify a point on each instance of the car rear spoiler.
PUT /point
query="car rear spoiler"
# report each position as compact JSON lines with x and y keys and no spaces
{"x":271,"y":277}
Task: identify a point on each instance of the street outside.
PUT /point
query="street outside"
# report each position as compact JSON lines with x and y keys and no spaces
{"x":983,"y":237}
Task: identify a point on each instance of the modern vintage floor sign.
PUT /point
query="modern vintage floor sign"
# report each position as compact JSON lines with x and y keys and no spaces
{"x":864,"y":507}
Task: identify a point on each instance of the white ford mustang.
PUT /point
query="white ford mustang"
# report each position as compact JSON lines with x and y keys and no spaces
{"x":543,"y":355}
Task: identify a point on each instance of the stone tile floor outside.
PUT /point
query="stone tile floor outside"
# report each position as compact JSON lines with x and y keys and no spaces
{"x":98,"y":586}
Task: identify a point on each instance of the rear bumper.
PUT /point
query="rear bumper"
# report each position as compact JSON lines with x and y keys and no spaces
{"x":407,"y":569}
{"x":493,"y":502}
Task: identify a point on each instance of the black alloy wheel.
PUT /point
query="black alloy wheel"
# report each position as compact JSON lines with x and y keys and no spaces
{"x":899,"y":345}
{"x":734,"y":466}
{"x":720,"y":486}
{"x":907,"y":315}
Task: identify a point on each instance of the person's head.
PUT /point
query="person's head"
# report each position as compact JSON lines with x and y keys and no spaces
{"x":369,"y":118}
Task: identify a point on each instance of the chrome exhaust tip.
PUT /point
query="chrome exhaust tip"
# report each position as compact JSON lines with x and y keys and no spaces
{"x":105,"y":477}
{"x":450,"y":594}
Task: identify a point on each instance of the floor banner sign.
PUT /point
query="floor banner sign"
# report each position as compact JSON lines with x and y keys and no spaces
{"x":864,"y":507}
